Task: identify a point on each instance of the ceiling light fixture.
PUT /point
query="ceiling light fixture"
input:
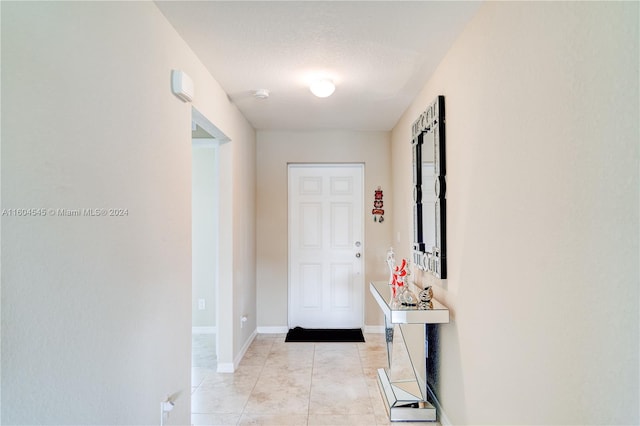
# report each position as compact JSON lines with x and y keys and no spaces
{"x":322,"y":88}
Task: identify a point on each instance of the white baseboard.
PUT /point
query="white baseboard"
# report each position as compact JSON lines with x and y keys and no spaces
{"x":273,"y":330}
{"x":204,"y":330}
{"x":225,"y":367}
{"x":245,"y":347}
{"x":230,"y":367}
{"x":442,"y":417}
{"x":284,"y":329}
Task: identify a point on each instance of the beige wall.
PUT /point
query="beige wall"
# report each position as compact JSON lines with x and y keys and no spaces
{"x":542,"y":157}
{"x":276,"y":149}
{"x":243,"y":217}
{"x":96,"y":311}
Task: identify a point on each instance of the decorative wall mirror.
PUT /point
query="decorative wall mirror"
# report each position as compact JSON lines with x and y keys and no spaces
{"x":429,"y":190}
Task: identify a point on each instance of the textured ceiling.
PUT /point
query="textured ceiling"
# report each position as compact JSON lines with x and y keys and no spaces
{"x":379,"y":54}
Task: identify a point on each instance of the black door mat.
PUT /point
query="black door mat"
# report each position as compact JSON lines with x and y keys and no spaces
{"x":299,"y":334}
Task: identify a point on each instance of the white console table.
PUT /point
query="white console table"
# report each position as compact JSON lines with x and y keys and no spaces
{"x":404,"y":383}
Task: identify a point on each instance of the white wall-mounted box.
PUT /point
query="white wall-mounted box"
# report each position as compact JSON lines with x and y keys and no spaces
{"x":182,"y":85}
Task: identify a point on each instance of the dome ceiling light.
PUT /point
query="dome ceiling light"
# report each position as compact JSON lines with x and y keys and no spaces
{"x":322,"y":88}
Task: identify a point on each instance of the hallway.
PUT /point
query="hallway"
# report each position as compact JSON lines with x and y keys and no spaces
{"x":280,"y":383}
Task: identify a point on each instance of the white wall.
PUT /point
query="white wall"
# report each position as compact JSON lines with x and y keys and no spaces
{"x":96,"y":311}
{"x":542,"y":157}
{"x":274,"y":150}
{"x":204,"y":227}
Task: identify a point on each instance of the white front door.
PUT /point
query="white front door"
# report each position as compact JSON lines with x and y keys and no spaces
{"x":326,"y":247}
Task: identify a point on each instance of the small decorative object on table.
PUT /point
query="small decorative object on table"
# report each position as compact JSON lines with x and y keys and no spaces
{"x":406,"y":297}
{"x":401,"y":295}
{"x":391,"y":263}
{"x":425,"y":297}
{"x":399,"y":274}
{"x":426,"y":294}
{"x":393,"y":279}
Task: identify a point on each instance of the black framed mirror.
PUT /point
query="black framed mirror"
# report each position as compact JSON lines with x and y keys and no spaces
{"x":429,"y":190}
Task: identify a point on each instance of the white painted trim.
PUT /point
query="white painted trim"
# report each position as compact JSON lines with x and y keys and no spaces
{"x":205,"y":143}
{"x":442,"y":417}
{"x":273,"y":330}
{"x":202,"y":121}
{"x":225,"y":367}
{"x":230,"y":367}
{"x":244,"y":349}
{"x":374,"y":329}
{"x":204,"y":330}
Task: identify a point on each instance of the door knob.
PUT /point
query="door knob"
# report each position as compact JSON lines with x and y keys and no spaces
{"x":358,"y":255}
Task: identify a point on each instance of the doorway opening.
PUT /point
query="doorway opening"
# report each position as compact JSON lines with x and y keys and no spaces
{"x":205,"y":249}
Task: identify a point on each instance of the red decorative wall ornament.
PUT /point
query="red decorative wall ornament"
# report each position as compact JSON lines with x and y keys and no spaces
{"x":378,"y":212}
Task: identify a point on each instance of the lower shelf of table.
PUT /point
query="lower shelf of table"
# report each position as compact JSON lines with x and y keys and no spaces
{"x":402,"y":407}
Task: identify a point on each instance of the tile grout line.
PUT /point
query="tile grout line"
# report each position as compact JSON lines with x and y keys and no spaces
{"x":364,"y":377}
{"x":194,"y":390}
{"x":313,"y":367}
{"x":371,"y":399}
{"x":244,"y":407}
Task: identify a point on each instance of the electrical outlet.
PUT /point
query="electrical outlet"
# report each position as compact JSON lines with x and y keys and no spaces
{"x":201,"y":304}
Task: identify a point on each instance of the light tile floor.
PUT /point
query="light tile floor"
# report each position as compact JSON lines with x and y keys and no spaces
{"x":278,"y":383}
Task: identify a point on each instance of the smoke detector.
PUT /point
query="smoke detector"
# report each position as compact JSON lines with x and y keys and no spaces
{"x":261,"y":94}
